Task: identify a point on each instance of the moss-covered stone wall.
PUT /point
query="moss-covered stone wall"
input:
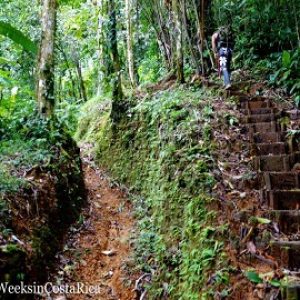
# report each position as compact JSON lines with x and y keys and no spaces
{"x":162,"y":150}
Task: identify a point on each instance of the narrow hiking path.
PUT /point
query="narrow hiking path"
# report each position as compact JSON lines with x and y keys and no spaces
{"x":99,"y":253}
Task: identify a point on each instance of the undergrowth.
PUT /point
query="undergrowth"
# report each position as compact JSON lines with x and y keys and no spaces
{"x":41,"y":183}
{"x":162,"y":150}
{"x":26,"y":142}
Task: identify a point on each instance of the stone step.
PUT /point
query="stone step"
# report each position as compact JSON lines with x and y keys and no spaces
{"x":288,"y":253}
{"x":281,"y":200}
{"x":259,"y":111}
{"x":259,"y":118}
{"x":256,"y":104}
{"x":262,"y":127}
{"x":275,"y":163}
{"x":266,"y":137}
{"x":288,"y":220}
{"x":270,"y":148}
{"x":280,"y":180}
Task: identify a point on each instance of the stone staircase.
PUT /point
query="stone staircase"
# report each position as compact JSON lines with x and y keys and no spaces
{"x":276,"y":157}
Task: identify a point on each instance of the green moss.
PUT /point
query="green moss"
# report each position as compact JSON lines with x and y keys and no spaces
{"x":162,"y":150}
{"x":93,"y":116}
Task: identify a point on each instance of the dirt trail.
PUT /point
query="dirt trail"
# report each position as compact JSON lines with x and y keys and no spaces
{"x":98,"y":253}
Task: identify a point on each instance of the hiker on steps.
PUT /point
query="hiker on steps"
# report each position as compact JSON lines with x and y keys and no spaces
{"x":222,"y":45}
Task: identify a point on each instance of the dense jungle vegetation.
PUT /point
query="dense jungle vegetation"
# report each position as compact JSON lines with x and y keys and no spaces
{"x":128,"y":77}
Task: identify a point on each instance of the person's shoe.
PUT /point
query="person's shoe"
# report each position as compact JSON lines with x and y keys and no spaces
{"x":228,"y":86}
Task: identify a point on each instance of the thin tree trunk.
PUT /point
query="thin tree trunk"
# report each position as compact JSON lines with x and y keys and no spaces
{"x":171,"y":24}
{"x":178,"y":41}
{"x":117,"y":93}
{"x":155,"y":18}
{"x":81,"y":82}
{"x":296,"y":22}
{"x":129,"y":41}
{"x":212,"y":61}
{"x":45,"y":68}
{"x":189,"y":38}
{"x":165,"y":36}
{"x":73,"y":93}
{"x":138,"y":39}
{"x":161,"y":44}
{"x":202,"y":37}
{"x":200,"y":48}
{"x":100,"y":40}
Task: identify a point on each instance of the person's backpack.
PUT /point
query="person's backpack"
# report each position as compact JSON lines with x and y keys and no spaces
{"x":225,"y":37}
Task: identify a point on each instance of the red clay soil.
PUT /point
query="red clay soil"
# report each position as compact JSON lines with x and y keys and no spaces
{"x":102,"y":244}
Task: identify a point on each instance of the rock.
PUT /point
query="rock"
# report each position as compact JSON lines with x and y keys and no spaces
{"x":109,"y":252}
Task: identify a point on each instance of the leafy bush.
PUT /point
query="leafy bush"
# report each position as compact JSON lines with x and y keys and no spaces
{"x":288,"y":73}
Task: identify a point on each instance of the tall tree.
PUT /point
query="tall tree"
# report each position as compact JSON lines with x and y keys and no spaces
{"x":154,"y":14}
{"x":178,"y":53}
{"x":189,"y":38}
{"x":100,"y":6}
{"x":130,"y":45}
{"x":199,"y":19}
{"x":117,"y":93}
{"x":45,"y":76}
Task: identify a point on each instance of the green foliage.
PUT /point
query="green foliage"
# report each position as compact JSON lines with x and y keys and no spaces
{"x":93,"y":115}
{"x":266,"y":39}
{"x":150,"y":68}
{"x":261,"y":27}
{"x":18,"y":37}
{"x":27,"y":140}
{"x":253,"y":277}
{"x":165,"y":150}
{"x":7,"y":182}
{"x":288,"y":73}
{"x":11,"y":249}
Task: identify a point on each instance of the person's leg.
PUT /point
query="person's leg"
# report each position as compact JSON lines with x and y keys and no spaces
{"x":223,"y":58}
{"x":226,"y":76}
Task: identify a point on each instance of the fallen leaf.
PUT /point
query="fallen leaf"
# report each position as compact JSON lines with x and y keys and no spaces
{"x":253,"y":277}
{"x":263,"y":220}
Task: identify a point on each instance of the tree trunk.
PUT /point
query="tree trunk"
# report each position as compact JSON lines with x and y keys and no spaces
{"x":117,"y":93}
{"x":154,"y":15}
{"x":189,"y":38}
{"x":130,"y":47}
{"x":165,"y":35}
{"x":73,"y":88}
{"x":100,"y":41}
{"x":138,"y":52}
{"x":200,"y":32}
{"x":81,"y":82}
{"x":294,"y":9}
{"x":178,"y":40}
{"x":45,"y":69}
{"x":202,"y":37}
